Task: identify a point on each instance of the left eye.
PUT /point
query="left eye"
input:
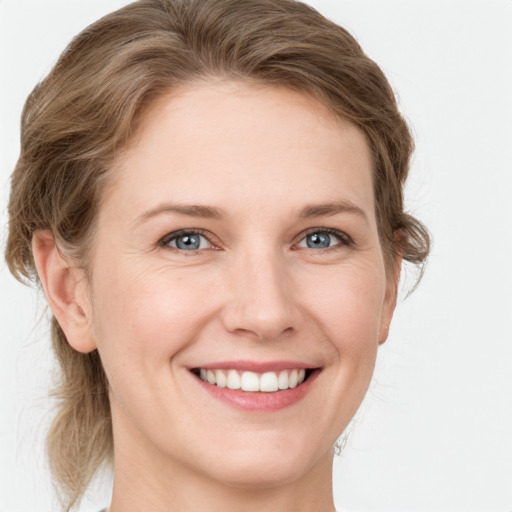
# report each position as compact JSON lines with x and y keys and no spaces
{"x":186,"y":241}
{"x":320,"y":240}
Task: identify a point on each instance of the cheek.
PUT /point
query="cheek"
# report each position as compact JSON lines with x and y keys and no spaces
{"x":347,"y":303}
{"x":347,"y":306}
{"x":144,"y":318}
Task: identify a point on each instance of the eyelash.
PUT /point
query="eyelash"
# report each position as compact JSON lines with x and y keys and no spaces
{"x":164,"y":242}
{"x":345,"y":240}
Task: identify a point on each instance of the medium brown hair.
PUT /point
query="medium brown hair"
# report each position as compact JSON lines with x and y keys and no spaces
{"x":79,"y":118}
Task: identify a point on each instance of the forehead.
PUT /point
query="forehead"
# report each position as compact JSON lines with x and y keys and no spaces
{"x":225,"y":143}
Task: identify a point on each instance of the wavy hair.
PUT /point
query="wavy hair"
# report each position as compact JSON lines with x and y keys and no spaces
{"x":89,"y":108}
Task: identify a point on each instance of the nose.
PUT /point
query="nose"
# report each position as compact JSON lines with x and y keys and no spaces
{"x":261,"y":302}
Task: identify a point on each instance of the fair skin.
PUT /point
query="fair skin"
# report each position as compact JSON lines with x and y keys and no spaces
{"x":279,"y":268}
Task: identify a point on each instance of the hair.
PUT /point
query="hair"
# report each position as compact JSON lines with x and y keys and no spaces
{"x":88,"y":109}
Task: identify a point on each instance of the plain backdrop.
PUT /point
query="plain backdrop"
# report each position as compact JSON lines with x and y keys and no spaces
{"x":435,"y":431}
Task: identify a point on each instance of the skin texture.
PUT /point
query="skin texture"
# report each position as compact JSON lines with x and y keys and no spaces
{"x":253,"y":291}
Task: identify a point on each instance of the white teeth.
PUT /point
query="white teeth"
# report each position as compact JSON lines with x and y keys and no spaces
{"x":268,"y":382}
{"x":250,"y":381}
{"x":283,"y":380}
{"x":293,"y":378}
{"x":233,"y":380}
{"x":222,"y":381}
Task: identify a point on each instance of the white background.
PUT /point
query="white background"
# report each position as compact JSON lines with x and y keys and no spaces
{"x":435,"y":432}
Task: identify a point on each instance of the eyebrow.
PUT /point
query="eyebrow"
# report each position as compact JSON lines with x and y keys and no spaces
{"x":213,"y":212}
{"x":192,"y":210}
{"x":328,"y":209}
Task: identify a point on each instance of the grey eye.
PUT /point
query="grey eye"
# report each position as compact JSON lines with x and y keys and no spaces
{"x":188,"y":242}
{"x":320,"y":240}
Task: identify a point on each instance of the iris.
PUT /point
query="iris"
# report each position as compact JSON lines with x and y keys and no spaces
{"x":188,"y":242}
{"x":318,"y":240}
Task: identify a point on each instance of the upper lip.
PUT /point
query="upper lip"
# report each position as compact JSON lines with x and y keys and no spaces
{"x":256,"y":366}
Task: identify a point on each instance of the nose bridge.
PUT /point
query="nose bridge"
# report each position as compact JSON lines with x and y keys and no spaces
{"x":261,"y":301}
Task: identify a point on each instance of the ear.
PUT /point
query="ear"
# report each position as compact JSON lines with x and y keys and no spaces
{"x":66,"y":291}
{"x":389,"y":305}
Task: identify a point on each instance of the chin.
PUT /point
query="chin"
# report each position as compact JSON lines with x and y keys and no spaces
{"x":263,"y":476}
{"x":266,"y":466}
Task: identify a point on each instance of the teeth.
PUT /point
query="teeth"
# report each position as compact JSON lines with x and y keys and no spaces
{"x":222,"y":381}
{"x":233,"y":380}
{"x":268,"y":382}
{"x":293,"y":378}
{"x":282,"y":380}
{"x":250,"y":381}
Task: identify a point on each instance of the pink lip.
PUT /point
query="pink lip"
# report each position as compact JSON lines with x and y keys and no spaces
{"x":259,"y":401}
{"x":257,"y":366}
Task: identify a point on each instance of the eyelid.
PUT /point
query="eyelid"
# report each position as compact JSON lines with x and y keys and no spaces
{"x":164,"y":241}
{"x":346,"y":240}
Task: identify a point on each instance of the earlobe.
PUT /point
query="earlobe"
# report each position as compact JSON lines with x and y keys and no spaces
{"x":65,"y":288}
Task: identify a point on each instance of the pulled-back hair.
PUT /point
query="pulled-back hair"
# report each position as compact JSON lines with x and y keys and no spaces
{"x":87,"y":110}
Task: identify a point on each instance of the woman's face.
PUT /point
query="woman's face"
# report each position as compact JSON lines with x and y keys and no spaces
{"x":238,"y":243}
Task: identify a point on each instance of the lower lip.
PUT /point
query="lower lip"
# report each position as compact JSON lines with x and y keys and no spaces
{"x":260,"y":401}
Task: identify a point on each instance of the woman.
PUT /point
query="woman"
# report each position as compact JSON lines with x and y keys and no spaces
{"x":210,"y":194}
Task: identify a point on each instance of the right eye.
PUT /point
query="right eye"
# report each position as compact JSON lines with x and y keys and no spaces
{"x":186,"y":241}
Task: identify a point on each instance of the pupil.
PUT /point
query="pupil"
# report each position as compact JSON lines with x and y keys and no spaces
{"x":316,"y":240}
{"x":188,"y":242}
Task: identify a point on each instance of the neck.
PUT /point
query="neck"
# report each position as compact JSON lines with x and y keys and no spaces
{"x":189,"y":494}
{"x":146,"y":480}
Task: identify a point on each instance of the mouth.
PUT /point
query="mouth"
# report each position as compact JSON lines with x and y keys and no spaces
{"x":257,"y":387}
{"x":249,"y":381}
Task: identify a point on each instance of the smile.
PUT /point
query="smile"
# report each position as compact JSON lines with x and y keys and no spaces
{"x":267,"y":382}
{"x":263,"y":387}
